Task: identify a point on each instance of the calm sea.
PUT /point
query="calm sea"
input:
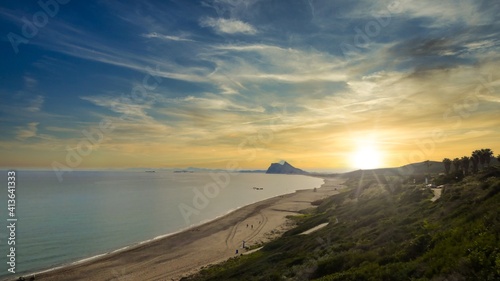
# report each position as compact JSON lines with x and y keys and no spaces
{"x":92,"y":213}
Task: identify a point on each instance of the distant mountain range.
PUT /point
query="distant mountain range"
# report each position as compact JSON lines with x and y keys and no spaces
{"x":284,"y":167}
{"x":189,"y":170}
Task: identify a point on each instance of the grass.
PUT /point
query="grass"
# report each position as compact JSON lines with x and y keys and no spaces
{"x":387,"y":229}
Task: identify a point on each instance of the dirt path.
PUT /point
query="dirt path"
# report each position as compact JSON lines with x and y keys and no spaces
{"x":318,"y":227}
{"x":437,"y":194}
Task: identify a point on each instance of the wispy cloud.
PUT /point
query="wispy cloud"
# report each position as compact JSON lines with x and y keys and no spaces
{"x":441,"y":14}
{"x":131,"y":120}
{"x":27,"y":131}
{"x":121,"y":105}
{"x":267,"y":62}
{"x":213,"y":102}
{"x":35,"y":104}
{"x":167,"y":37}
{"x":30,"y":82}
{"x":61,"y":129}
{"x":229,"y":26}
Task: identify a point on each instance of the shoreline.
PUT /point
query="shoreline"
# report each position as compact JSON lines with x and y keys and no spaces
{"x":139,"y":243}
{"x":136,"y":244}
{"x":184,"y":252}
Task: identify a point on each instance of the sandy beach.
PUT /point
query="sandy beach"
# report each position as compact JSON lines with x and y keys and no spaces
{"x":182,"y":254}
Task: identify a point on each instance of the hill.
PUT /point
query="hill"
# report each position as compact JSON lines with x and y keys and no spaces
{"x":381,"y":228}
{"x":415,"y":169}
{"x":284,"y":168}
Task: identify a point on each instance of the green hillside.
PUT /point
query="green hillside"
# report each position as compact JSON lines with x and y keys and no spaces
{"x":386,"y":228}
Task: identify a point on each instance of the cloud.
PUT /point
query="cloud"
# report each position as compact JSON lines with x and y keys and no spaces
{"x":456,"y":47}
{"x":261,"y":62}
{"x":122,"y":105}
{"x":134,"y":122}
{"x":29,"y":131}
{"x":166,"y":37}
{"x":61,"y":129}
{"x":30,"y":82}
{"x":446,"y":12}
{"x":64,"y":38}
{"x":35,"y":104}
{"x":440,"y":14}
{"x":231,"y":8}
{"x":213,"y":102}
{"x":230,"y":26}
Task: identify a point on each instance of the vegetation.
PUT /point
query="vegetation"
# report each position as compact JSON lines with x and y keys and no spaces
{"x":487,"y":155}
{"x":447,"y":165}
{"x":465,"y":164}
{"x":462,"y":165}
{"x":456,"y":164}
{"x":384,"y":227}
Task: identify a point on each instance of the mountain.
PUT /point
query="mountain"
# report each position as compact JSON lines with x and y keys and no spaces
{"x":284,"y":168}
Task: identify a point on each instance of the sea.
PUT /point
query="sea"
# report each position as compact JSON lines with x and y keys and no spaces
{"x":93,"y":213}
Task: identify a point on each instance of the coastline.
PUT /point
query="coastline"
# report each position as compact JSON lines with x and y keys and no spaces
{"x":182,"y":253}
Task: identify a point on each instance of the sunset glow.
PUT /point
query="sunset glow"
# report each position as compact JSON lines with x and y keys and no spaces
{"x":367,"y":157}
{"x":170,"y":84}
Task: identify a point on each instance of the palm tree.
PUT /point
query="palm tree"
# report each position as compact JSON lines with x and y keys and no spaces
{"x":487,"y":154}
{"x":447,"y":165}
{"x":465,"y":164}
{"x":456,"y":164}
{"x":428,"y":164}
{"x":482,"y":158}
{"x":476,"y":155}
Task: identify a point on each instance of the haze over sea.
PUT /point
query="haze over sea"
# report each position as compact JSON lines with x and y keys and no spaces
{"x":95,"y":212}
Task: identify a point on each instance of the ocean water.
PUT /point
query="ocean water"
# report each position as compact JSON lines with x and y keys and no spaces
{"x":93,"y":213}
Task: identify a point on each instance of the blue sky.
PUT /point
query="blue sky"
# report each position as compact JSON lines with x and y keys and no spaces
{"x":201,"y":83}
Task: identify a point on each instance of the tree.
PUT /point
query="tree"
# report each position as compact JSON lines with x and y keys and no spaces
{"x":487,"y":154}
{"x":447,"y":165}
{"x":498,"y":157}
{"x":456,"y":164}
{"x":476,"y":155}
{"x":482,"y":158}
{"x":465,"y":164}
{"x":428,"y":164}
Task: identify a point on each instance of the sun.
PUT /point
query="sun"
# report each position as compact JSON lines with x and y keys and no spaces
{"x":367,"y":157}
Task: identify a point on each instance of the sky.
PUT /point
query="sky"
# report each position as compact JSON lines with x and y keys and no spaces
{"x":322,"y":84}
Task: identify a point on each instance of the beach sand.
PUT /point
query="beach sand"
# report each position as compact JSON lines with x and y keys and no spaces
{"x":184,"y":253}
